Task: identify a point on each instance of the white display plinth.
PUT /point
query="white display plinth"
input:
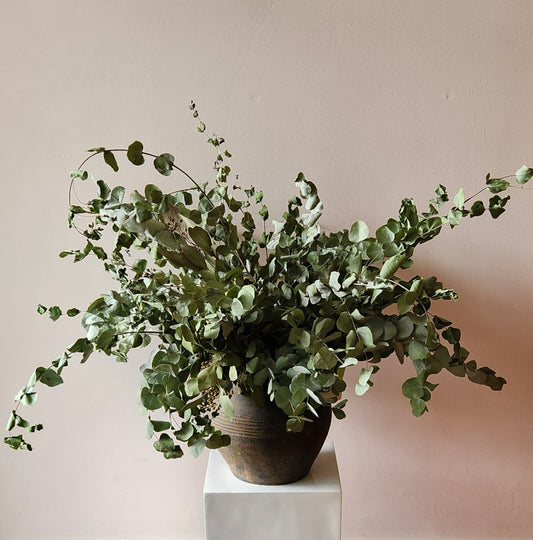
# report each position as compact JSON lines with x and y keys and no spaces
{"x":306,"y":510}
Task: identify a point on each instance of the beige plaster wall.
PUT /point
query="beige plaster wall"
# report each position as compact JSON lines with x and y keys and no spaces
{"x":375,"y":101}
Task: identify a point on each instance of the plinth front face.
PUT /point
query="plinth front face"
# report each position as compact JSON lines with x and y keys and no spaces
{"x":306,"y":510}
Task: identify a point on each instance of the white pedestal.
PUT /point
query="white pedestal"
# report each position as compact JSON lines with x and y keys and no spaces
{"x":306,"y":510}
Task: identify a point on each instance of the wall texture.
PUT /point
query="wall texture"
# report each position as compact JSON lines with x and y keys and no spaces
{"x":375,"y":101}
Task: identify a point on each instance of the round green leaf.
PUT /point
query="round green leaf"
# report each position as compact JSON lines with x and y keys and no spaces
{"x":412,"y":388}
{"x":237,"y":309}
{"x":49,"y":377}
{"x":164,"y":164}
{"x":524,"y":174}
{"x":365,"y":335}
{"x":200,"y":237}
{"x":164,"y":443}
{"x":417,"y":350}
{"x":227,"y":406}
{"x":149,"y":401}
{"x":358,"y":232}
{"x":135,"y":154}
{"x":109,"y":158}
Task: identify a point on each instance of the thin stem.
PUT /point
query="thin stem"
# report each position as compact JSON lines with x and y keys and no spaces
{"x":476,"y":194}
{"x":173,"y":165}
{"x":265,"y":235}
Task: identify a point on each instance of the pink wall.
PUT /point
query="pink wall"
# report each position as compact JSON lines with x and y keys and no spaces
{"x":375,"y":101}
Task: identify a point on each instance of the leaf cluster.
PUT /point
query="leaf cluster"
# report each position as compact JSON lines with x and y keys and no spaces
{"x":227,"y":304}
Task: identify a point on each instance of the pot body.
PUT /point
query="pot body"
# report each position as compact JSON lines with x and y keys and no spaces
{"x":261,"y":449}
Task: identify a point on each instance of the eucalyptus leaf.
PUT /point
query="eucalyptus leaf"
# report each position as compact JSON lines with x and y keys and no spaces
{"x":218,"y":440}
{"x":227,"y":406}
{"x":164,"y":443}
{"x":195,"y":258}
{"x":110,"y":159}
{"x":55,"y":312}
{"x":496,"y":185}
{"x":135,"y":153}
{"x":237,"y":308}
{"x":418,"y":406}
{"x":207,"y":378}
{"x":201,"y":238}
{"x":391,"y":266}
{"x":160,"y":425}
{"x":149,"y":400}
{"x":11,"y":421}
{"x":295,"y":425}
{"x":524,"y":174}
{"x":417,"y":350}
{"x":197,"y":448}
{"x":164,"y":164}
{"x":459,"y":199}
{"x":103,"y":190}
{"x":49,"y":377}
{"x":363,"y":384}
{"x":365,"y":335}
{"x":358,"y":232}
{"x":413,"y":388}
{"x":246,"y":296}
{"x":324,"y":359}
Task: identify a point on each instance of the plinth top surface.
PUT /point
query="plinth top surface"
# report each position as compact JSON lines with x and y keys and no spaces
{"x":323,"y":477}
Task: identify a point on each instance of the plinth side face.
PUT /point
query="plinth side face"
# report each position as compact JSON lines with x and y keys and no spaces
{"x":261,"y":449}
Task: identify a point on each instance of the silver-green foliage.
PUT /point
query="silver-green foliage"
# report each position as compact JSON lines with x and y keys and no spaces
{"x":225,"y":303}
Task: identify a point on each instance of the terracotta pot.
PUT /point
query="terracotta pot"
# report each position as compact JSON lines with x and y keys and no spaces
{"x":262,"y":451}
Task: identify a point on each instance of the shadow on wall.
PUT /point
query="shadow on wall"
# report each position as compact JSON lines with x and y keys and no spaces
{"x":457,"y":470}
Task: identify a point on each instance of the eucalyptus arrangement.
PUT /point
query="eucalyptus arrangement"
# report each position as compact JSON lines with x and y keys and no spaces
{"x":229,"y":304}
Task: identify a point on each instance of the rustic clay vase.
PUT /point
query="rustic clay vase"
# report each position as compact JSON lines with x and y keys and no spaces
{"x":262,"y":451}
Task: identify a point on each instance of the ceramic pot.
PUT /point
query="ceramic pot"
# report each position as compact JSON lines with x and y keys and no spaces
{"x":262,"y":451}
